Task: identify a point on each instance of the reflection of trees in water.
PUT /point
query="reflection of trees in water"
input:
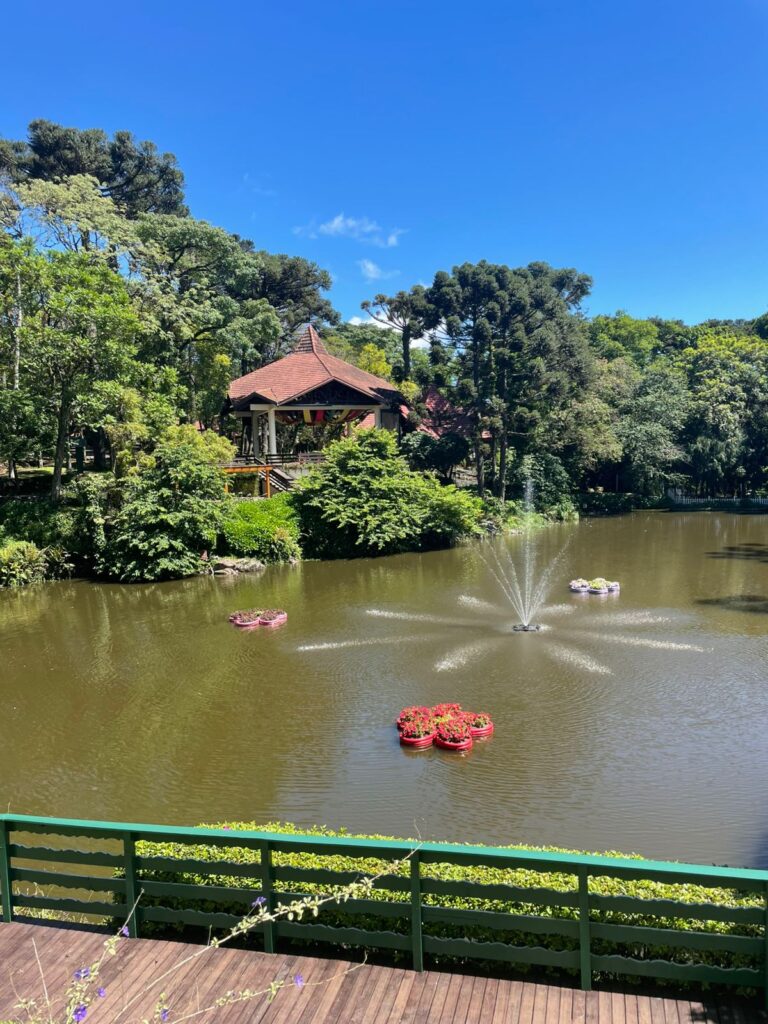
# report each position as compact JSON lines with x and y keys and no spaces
{"x":756,"y":604}
{"x":753,"y":552}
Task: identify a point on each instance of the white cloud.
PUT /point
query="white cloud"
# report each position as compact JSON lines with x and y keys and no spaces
{"x":361,"y":229}
{"x":368,"y":321}
{"x":372,"y":271}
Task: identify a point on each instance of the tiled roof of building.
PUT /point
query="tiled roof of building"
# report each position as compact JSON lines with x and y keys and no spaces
{"x":308,"y":367}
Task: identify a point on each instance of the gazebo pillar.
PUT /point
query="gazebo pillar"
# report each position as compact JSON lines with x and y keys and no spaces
{"x":272,"y":432}
{"x":377,"y":416}
{"x":255,"y":438}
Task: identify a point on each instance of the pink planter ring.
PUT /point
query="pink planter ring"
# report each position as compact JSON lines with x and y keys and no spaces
{"x":417,"y":742}
{"x":278,"y":620}
{"x":447,"y":745}
{"x":485,"y":730}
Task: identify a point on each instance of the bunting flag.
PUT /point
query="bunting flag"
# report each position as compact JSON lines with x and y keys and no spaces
{"x":315,"y":417}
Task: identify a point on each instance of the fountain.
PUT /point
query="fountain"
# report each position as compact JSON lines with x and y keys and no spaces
{"x":487,"y":627}
{"x":526,"y":592}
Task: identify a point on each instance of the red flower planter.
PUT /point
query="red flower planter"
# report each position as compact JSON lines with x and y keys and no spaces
{"x":447,"y":745}
{"x":418,"y":742}
{"x":484,"y":730}
{"x":275,"y":619}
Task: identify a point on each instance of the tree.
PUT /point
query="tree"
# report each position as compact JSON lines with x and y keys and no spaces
{"x":373,"y":360}
{"x":172,"y":512}
{"x":79,"y":328}
{"x":194,"y":277}
{"x":407,"y":313}
{"x":519,"y":351}
{"x":622,"y":336}
{"x":364,"y":500}
{"x":135,"y":175}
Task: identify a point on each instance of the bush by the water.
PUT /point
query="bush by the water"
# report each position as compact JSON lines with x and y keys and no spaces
{"x":173,"y":511}
{"x":267,"y":529}
{"x":523,"y":878}
{"x":21,"y":563}
{"x":364,"y":500}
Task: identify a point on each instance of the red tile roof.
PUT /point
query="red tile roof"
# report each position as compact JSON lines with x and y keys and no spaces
{"x":309,"y":366}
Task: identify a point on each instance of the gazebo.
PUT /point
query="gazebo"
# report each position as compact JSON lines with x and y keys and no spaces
{"x":309,"y":386}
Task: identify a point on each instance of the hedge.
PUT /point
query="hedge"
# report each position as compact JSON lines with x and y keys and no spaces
{"x":336,"y":916}
{"x":266,"y":529}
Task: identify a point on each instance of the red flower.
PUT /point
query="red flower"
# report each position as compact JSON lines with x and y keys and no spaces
{"x":477,"y":719}
{"x":418,"y":727}
{"x":413,"y":712}
{"x":454,"y":730}
{"x":446,"y":710}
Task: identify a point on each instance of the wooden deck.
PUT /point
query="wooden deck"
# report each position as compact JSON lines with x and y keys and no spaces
{"x":333,"y":990}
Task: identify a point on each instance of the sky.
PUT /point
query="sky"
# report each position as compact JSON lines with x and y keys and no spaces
{"x":386,"y":141}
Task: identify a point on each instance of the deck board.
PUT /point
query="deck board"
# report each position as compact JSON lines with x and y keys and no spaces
{"x":334,"y":991}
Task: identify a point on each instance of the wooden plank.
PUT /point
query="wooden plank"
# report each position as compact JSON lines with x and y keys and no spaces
{"x":418,"y":1009}
{"x":591,"y":1007}
{"x":546,"y":999}
{"x":565,"y":1015}
{"x":618,"y":1009}
{"x":477,"y":1010}
{"x":704,"y":1013}
{"x":657,"y":1011}
{"x":644,"y":1015}
{"x":630,"y":1008}
{"x":579,"y":1006}
{"x":463,"y":1000}
{"x":525,"y":1013}
{"x":401,"y":998}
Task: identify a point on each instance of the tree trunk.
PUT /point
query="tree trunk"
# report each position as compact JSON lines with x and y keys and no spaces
{"x":501,"y":482}
{"x":407,"y":352}
{"x":479,"y":466}
{"x":17,"y":322}
{"x":62,"y":436}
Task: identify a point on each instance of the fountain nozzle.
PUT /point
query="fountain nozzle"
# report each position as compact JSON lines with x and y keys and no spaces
{"x":526,"y":628}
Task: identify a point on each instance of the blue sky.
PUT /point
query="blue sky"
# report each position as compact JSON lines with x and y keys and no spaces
{"x":389,"y":140}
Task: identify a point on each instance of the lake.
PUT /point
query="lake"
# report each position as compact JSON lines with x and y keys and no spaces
{"x":635,"y":722}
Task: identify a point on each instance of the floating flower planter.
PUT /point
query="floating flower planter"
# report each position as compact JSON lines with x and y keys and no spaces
{"x":479,"y":723}
{"x":251,"y":617}
{"x":454,"y":734}
{"x":599,"y":585}
{"x":273,"y":617}
{"x":418,"y":733}
{"x":445,"y":725}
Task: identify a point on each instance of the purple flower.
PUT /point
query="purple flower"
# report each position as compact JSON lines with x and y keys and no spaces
{"x":101,"y":992}
{"x":83,"y":973}
{"x":298,"y":980}
{"x":124,"y":930}
{"x":81,"y":1012}
{"x":164,"y":1014}
{"x":259,"y":901}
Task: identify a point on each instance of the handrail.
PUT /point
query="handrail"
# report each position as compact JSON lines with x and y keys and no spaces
{"x":579,"y":916}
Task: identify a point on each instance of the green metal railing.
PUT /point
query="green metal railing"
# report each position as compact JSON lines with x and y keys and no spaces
{"x":580,"y":920}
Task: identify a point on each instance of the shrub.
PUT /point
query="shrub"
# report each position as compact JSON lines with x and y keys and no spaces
{"x":173,"y":510}
{"x":21,"y":563}
{"x":267,"y":529}
{"x":600,"y":504}
{"x":524,"y":878}
{"x":364,"y":500}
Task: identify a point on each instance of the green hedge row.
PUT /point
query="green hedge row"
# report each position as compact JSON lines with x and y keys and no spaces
{"x":336,"y":916}
{"x":266,"y":529}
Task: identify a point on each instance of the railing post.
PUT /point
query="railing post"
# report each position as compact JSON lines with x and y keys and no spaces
{"x":267,"y":878}
{"x":131,"y":895}
{"x":6,"y":889}
{"x":417,"y":945}
{"x":585,"y":952}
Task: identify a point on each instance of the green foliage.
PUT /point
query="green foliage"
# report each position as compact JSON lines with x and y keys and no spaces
{"x":364,"y":500}
{"x":21,"y":563}
{"x":266,"y":529}
{"x":622,"y":336}
{"x":605,"y":504}
{"x":523,"y":878}
{"x":172,"y":512}
{"x":440,"y":455}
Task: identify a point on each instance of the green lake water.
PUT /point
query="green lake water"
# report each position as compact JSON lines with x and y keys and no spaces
{"x":637,"y":722}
